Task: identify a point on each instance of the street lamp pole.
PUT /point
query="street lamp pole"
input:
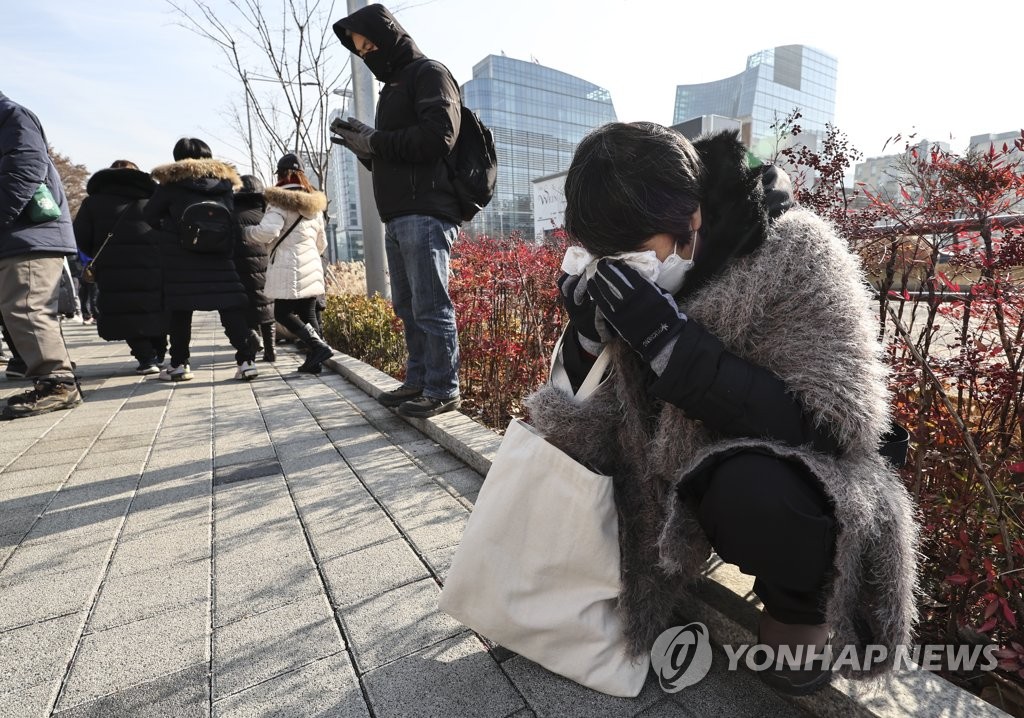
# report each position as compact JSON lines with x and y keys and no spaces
{"x":364,"y":98}
{"x":248,"y":121}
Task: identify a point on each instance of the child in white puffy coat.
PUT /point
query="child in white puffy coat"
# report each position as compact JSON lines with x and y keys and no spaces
{"x":293,"y":227}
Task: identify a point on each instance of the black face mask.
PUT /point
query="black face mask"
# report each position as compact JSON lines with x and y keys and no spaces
{"x":379,"y":65}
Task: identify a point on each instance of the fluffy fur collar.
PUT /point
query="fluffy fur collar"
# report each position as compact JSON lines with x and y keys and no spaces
{"x":797,"y":306}
{"x":733,"y":212}
{"x":308,"y":204}
{"x":197,"y":169}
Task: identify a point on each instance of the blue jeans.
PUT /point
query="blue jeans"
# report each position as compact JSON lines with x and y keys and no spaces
{"x":418,"y":248}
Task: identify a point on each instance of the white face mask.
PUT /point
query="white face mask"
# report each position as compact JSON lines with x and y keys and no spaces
{"x":673,"y":270}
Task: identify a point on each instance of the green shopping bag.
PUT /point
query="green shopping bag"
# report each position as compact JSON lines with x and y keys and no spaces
{"x":43,"y":207}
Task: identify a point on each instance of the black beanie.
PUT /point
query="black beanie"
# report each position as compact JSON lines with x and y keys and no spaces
{"x":289,"y":163}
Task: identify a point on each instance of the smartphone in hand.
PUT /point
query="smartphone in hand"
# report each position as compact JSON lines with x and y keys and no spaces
{"x":338,"y":124}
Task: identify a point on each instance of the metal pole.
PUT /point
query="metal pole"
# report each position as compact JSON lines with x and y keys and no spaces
{"x":364,"y":100}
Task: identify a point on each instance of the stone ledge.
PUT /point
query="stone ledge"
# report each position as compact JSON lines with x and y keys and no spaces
{"x":724,"y":602}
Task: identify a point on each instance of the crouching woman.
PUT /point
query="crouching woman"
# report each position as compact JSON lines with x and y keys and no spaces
{"x":747,"y":403}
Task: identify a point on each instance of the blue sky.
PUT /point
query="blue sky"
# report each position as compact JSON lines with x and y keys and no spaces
{"x":120,"y":79}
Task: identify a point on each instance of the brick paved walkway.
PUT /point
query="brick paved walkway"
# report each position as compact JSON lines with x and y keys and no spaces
{"x":272,"y":548}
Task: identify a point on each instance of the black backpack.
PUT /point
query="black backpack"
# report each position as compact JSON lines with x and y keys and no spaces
{"x":473,"y":166}
{"x":473,"y":163}
{"x":207,"y":228}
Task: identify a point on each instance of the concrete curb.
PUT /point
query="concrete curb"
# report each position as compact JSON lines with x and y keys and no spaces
{"x":725,"y":602}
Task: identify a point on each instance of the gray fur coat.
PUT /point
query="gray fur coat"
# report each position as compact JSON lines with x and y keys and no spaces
{"x":797,"y":306}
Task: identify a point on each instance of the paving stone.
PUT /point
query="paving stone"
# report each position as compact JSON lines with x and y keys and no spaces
{"x":735,"y":693}
{"x":135,"y":653}
{"x":32,"y":702}
{"x":455,"y":677}
{"x":465,"y":481}
{"x":184,"y":694}
{"x":667,"y":708}
{"x":551,"y":695}
{"x":326,"y":687}
{"x":353,"y":528}
{"x":91,"y":494}
{"x":42,"y":476}
{"x":36,"y":654}
{"x":397,"y":623}
{"x":132,"y":597}
{"x":249,"y":588}
{"x":372,"y":571}
{"x":165,"y":513}
{"x":159,"y":549}
{"x":254,"y":649}
{"x":97,"y":518}
{"x":56,"y":460}
{"x":28,"y":599}
{"x":40,"y":557}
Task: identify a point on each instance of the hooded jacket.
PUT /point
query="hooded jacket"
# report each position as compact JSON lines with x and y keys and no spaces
{"x":417,"y":123}
{"x":779,"y":317}
{"x":251,"y":257}
{"x":24,"y":165}
{"x":191,"y":281}
{"x":128,"y":269}
{"x":294,"y":270}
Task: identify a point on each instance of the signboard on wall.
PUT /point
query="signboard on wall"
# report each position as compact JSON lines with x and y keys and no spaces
{"x":548,"y":204}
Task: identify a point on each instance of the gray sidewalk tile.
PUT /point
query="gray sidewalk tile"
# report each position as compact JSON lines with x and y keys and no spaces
{"x":364,"y":574}
{"x":183,"y":542}
{"x":327,"y":688}
{"x":736,"y":693}
{"x":32,"y":702}
{"x":667,"y":708}
{"x":456,"y":677}
{"x":397,"y":623}
{"x":551,"y":695}
{"x":254,"y":587}
{"x":41,"y":557}
{"x":37,"y":654}
{"x":351,"y":528}
{"x":71,"y":523}
{"x":32,"y":598}
{"x":127,"y":598}
{"x":44,"y":459}
{"x":46,"y":475}
{"x":185,"y":694}
{"x":254,"y":649}
{"x":79,"y":495}
{"x":135,"y":653}
{"x":466,"y":482}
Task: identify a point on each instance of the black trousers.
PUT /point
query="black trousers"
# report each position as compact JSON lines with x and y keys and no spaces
{"x":770,"y":517}
{"x":293,"y":314}
{"x":235,"y":327}
{"x":148,"y":349}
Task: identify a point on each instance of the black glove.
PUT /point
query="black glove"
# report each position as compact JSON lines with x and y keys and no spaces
{"x":358,"y":138}
{"x":643,"y":314}
{"x":778,"y":190}
{"x":579,"y":306}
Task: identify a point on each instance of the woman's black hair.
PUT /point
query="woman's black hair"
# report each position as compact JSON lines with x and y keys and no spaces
{"x":190,"y":148}
{"x":628,"y":182}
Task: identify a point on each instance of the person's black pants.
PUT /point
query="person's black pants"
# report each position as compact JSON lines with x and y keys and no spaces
{"x":235,"y":327}
{"x":771,"y":518}
{"x":294,"y":314}
{"x":148,"y":349}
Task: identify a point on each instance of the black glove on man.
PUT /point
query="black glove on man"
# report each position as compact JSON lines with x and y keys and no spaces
{"x":643,"y":314}
{"x":358,"y":139}
{"x":579,"y":306}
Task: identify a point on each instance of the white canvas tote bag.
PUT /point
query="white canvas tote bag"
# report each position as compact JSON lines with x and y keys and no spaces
{"x":537,"y":570}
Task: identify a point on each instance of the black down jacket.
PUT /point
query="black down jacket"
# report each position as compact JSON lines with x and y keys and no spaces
{"x":251,"y":258}
{"x":127,"y":265}
{"x":195,"y":282}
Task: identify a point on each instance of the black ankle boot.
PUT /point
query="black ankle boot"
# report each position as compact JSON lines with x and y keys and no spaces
{"x":267,"y":330}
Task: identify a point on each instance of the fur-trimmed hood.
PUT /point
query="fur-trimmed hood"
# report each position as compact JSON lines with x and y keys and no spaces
{"x":308,"y":204}
{"x":196,"y":171}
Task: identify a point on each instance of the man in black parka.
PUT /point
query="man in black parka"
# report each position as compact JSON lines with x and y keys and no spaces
{"x":417,"y":124}
{"x":32,"y":254}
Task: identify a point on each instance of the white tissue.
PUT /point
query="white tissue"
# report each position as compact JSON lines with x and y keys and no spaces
{"x":578,"y":260}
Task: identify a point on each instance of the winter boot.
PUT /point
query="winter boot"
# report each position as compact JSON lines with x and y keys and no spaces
{"x":267,"y":329}
{"x":319,"y":351}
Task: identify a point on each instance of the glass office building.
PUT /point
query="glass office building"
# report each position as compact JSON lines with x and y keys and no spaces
{"x":775,"y":82}
{"x":538,"y":115}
